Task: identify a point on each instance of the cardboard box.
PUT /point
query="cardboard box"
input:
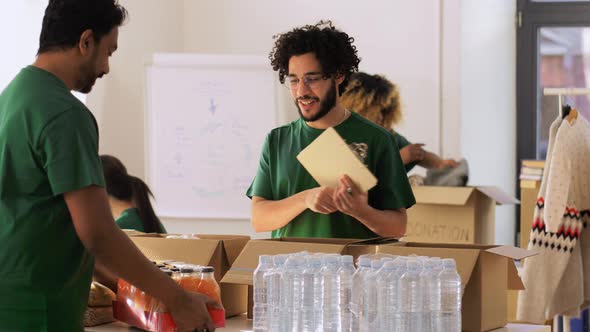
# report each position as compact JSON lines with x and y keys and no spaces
{"x":529,"y":190}
{"x":219,"y":251}
{"x":455,"y":214}
{"x":487,"y":272}
{"x":242,"y":269}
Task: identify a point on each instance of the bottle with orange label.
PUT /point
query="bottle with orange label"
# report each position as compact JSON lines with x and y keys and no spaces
{"x":208,"y":285}
{"x":186,"y":278}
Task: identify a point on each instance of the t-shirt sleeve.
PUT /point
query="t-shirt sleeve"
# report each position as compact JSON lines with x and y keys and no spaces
{"x":401,"y":143}
{"x":68,"y":146}
{"x":393,"y":190}
{"x":262,"y":184}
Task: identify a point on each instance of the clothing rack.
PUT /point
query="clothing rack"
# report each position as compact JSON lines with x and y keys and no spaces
{"x":560,"y":92}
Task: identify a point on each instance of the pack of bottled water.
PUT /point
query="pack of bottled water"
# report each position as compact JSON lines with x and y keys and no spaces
{"x":326,"y":292}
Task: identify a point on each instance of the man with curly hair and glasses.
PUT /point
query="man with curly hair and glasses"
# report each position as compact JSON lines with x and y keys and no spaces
{"x":313,"y":62}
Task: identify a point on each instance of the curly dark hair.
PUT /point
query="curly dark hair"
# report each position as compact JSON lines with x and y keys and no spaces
{"x":333,"y":48}
{"x":374,"y":97}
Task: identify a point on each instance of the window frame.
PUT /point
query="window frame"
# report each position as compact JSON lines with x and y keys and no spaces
{"x":531,"y":16}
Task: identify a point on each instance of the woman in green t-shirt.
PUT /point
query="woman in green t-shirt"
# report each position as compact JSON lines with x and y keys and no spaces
{"x":129,"y":198}
{"x":378,"y":100}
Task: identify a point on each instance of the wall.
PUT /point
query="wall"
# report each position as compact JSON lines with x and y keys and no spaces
{"x":117,"y":99}
{"x":402,"y":42}
{"x":454,"y":61}
{"x":20,"y":26}
{"x":488,"y":100}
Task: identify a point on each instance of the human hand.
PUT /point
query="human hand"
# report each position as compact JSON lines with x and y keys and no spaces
{"x":448,"y":163}
{"x":320,"y":200}
{"x":348,"y":197}
{"x":189,"y":311}
{"x":412,"y":152}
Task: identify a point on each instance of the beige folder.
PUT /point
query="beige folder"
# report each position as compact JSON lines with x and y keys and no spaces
{"x":328,"y":158}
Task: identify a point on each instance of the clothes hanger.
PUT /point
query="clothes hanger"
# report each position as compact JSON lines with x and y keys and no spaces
{"x":565,"y":111}
{"x":572,"y":116}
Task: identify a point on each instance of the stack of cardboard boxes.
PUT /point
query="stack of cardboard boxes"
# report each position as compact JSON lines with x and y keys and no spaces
{"x":446,"y":222}
{"x":487,"y":272}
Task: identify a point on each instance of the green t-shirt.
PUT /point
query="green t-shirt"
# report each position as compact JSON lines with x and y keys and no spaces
{"x":48,"y":147}
{"x":401,"y":143}
{"x":280,"y":175}
{"x":130,"y":219}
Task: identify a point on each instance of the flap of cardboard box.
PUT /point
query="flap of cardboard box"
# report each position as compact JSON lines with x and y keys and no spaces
{"x":514,"y":281}
{"x":512,"y":252}
{"x":232,"y":244}
{"x":315,"y":240}
{"x":442,"y":195}
{"x":464,"y":257}
{"x":497,"y":195}
{"x":134,"y":233}
{"x":242,"y":269}
{"x":459,"y":195}
{"x":193,"y":251}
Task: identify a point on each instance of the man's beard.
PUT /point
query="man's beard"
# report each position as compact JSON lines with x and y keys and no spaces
{"x":89,"y":75}
{"x":325,"y":105}
{"x":87,"y":86}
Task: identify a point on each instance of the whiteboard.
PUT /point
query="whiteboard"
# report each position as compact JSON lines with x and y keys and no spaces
{"x":207,"y":118}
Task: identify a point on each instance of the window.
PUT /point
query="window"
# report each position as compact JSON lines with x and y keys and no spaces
{"x":553,"y":50}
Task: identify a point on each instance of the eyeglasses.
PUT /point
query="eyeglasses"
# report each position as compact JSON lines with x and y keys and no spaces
{"x":310,"y":81}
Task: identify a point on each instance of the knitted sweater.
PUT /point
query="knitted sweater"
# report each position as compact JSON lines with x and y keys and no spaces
{"x":554,"y":279}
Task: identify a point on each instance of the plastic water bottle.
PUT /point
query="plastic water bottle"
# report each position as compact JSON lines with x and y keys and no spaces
{"x":311,"y":300}
{"x":358,"y":292}
{"x":392,"y":305}
{"x":345,"y":272}
{"x":260,"y":294}
{"x":449,"y":317}
{"x":371,"y":303}
{"x":434,"y":290}
{"x":291,"y":289}
{"x":410,"y":298}
{"x":384,"y":284}
{"x":426,"y":278}
{"x":273,"y":283}
{"x":330,"y":294}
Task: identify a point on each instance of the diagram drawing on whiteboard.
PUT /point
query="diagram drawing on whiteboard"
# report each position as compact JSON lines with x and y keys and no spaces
{"x":207,"y":117}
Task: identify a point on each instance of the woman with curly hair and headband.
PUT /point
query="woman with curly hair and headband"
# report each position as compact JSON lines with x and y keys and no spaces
{"x":313,"y":62}
{"x":378,"y":100}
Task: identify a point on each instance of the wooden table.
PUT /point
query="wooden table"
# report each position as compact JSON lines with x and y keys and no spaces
{"x":241,"y":323}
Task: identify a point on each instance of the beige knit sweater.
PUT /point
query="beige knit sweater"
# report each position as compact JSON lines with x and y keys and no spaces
{"x":554,"y":280}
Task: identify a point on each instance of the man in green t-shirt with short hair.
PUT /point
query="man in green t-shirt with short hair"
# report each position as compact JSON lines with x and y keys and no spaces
{"x":313,"y":62}
{"x":54,"y":214}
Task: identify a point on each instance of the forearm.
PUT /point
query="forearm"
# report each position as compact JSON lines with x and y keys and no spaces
{"x":124,"y":259}
{"x":268,"y":215}
{"x":387,"y":223}
{"x":105,"y":276}
{"x":430,"y":160}
{"x":112,"y":248}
